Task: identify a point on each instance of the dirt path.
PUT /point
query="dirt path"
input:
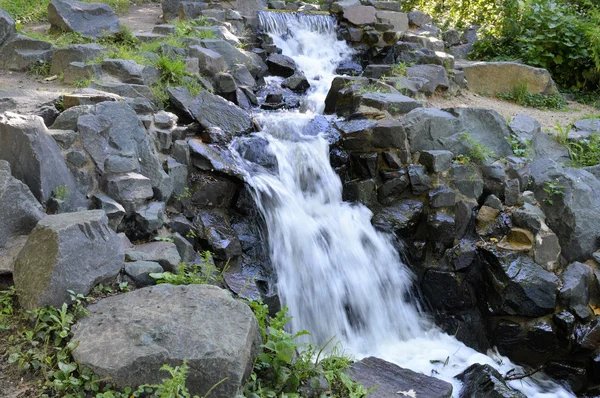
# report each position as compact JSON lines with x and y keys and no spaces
{"x":548,"y":119}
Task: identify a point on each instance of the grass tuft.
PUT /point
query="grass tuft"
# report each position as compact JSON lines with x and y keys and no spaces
{"x":521,"y":96}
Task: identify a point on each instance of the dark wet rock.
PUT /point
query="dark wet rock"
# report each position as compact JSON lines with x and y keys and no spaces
{"x":364,"y":165}
{"x":573,"y":373}
{"x":467,"y":180}
{"x":587,"y":337}
{"x":393,"y":188}
{"x":464,"y":216}
{"x":72,"y":251}
{"x":36,"y":158}
{"x":362,"y":191}
{"x":296,"y":82}
{"x":256,"y":150}
{"x":281,"y":65}
{"x":519,"y":286}
{"x":87,"y":19}
{"x":219,"y":339}
{"x":356,"y":134}
{"x":419,"y":180}
{"x":436,"y":161}
{"x":574,"y":293}
{"x":565,"y":323}
{"x":483,"y":381}
{"x":212,"y":157}
{"x":209,"y":190}
{"x":390,"y":379}
{"x":573,"y":210}
{"x":213,"y":111}
{"x":447,"y":291}
{"x":349,"y":68}
{"x":442,"y":197}
{"x":441,"y":231}
{"x":215,"y":228}
{"x":401,"y":218}
{"x":20,"y":52}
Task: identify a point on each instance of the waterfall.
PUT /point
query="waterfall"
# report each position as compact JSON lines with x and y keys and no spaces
{"x":338,"y":275}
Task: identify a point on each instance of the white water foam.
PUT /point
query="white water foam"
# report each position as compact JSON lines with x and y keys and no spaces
{"x":336,"y":273}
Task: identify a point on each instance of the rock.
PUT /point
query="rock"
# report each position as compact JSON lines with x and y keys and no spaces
{"x":281,"y":65}
{"x":529,"y":216}
{"x":485,"y":219}
{"x":20,"y":52}
{"x":436,"y":161}
{"x":360,"y":15}
{"x":232,"y":56}
{"x":394,"y":103}
{"x":114,"y":211}
{"x":140,"y":272}
{"x":297,"y":82}
{"x":483,"y":381}
{"x":442,"y":197}
{"x":574,"y":293}
{"x":518,"y":286}
{"x":435,"y":75}
{"x":451,"y":37}
{"x":19,"y":210}
{"x":419,"y":179}
{"x":129,"y":71}
{"x":493,"y":202}
{"x":547,"y":249}
{"x":216,"y":229}
{"x":398,"y":20}
{"x":7,"y":27}
{"x":91,"y":20}
{"x":74,"y":53}
{"x":401,"y":218}
{"x":418,"y":18}
{"x":130,"y":190}
{"x":185,"y":248}
{"x":573,"y":210}
{"x":213,"y":111}
{"x":544,"y":146}
{"x":518,"y":239}
{"x":393,"y":189}
{"x":428,"y":127}
{"x":213,"y":157}
{"x":447,"y":291}
{"x":71,"y":251}
{"x":524,"y":127}
{"x":219,"y":338}
{"x":462,"y":51}
{"x":487,"y":127}
{"x":113,"y":128}
{"x":441,"y":232}
{"x":36,"y":158}
{"x":390,"y":380}
{"x":491,"y":78}
{"x":512,"y":192}
{"x":164,"y":253}
{"x":464,"y":216}
{"x":151,"y":217}
{"x":467,"y":180}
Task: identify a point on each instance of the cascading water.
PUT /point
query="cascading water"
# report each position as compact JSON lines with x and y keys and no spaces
{"x":336,"y":273}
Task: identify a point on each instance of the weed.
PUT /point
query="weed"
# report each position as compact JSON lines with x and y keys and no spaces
{"x":6,"y":307}
{"x":198,"y":274}
{"x":39,"y":69}
{"x":189,"y":28}
{"x":462,"y":159}
{"x":192,"y":234}
{"x":520,"y":95}
{"x":478,"y":153}
{"x":286,"y":363}
{"x":186,"y":194}
{"x":371,"y":88}
{"x":61,"y":193}
{"x":82,"y":83}
{"x":397,"y":70}
{"x":552,"y":188}
{"x":520,"y":147}
{"x":585,"y":152}
{"x":163,"y":239}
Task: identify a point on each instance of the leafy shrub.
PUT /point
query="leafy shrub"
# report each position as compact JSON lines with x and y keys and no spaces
{"x":521,"y":96}
{"x":478,"y":153}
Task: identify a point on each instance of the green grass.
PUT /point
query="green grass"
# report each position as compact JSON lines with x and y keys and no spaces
{"x":27,"y":11}
{"x":521,"y":96}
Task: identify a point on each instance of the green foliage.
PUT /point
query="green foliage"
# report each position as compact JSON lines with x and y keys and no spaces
{"x":521,"y":96}
{"x":189,"y":28}
{"x":61,"y":192}
{"x":397,"y":70}
{"x":6,"y":307}
{"x":26,"y":11}
{"x":174,"y":387}
{"x":478,"y":153}
{"x":585,"y":152}
{"x":519,"y":147}
{"x":371,"y":88}
{"x":287,"y":363}
{"x":552,"y":188}
{"x":197,"y":274}
{"x":39,"y":69}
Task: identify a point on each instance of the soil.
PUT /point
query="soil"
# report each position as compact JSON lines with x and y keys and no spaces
{"x":548,"y":118}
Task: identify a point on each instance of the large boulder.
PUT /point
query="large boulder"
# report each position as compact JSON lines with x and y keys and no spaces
{"x":7,"y":26}
{"x":20,"y":52}
{"x":494,"y":77}
{"x":569,"y":198}
{"x":233,"y":55}
{"x":391,"y":380}
{"x":19,"y":210}
{"x":88,"y":19}
{"x":71,"y":251}
{"x":36,"y":158}
{"x":128,"y":338}
{"x":74,"y":53}
{"x":430,"y":129}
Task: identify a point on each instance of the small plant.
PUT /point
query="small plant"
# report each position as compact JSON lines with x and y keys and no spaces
{"x":186,"y":194}
{"x":192,"y":234}
{"x":82,"y":83}
{"x":198,"y":274}
{"x":521,"y":96}
{"x":39,"y":69}
{"x":462,"y":159}
{"x":6,"y":307}
{"x":519,"y":147}
{"x":397,"y":70}
{"x":371,"y":88}
{"x":585,"y":152}
{"x":61,"y":193}
{"x":552,"y":188}
{"x":478,"y":153}
{"x":163,"y":239}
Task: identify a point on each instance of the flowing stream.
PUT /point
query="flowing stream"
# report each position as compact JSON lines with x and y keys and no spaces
{"x":337,"y":274}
